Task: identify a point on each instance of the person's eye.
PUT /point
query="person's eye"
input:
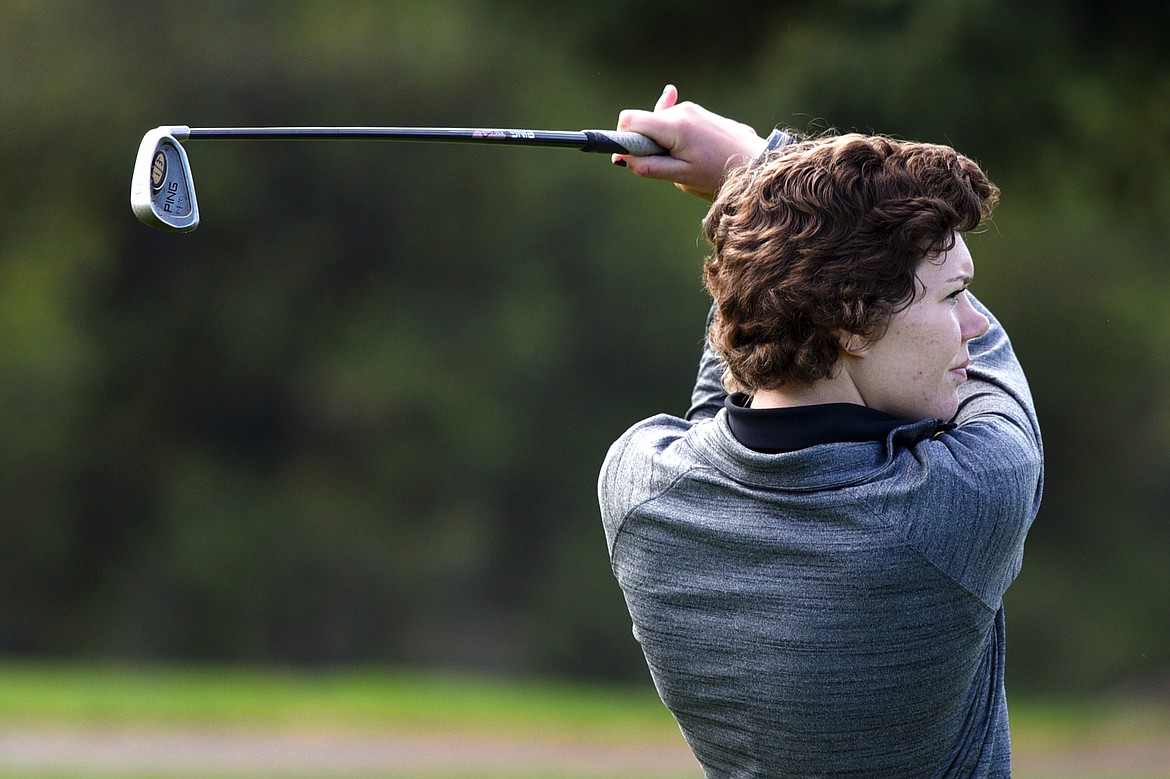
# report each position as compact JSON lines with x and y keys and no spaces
{"x":954,"y":296}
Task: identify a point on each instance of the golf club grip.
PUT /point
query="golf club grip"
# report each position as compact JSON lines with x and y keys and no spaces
{"x":614,"y":142}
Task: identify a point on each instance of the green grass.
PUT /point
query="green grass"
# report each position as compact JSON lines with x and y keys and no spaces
{"x":349,"y":699}
{"x":1112,"y":737}
{"x":35,"y":696}
{"x":362,"y":702}
{"x":1087,"y":722}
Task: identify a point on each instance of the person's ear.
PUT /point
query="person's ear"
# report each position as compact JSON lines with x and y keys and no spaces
{"x":851,"y":344}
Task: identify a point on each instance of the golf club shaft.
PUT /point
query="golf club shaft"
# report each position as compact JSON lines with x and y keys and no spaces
{"x":603,"y":141}
{"x":162,"y":191}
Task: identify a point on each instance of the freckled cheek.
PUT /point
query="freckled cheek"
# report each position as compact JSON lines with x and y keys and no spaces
{"x":936,"y":358}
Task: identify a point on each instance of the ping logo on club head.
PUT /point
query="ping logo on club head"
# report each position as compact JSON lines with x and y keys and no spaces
{"x":173,"y":202}
{"x":158,"y":170}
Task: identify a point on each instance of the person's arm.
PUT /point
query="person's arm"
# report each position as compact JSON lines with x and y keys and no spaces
{"x":708,"y":395}
{"x":996,"y":386}
{"x":702,"y":145}
{"x":987,"y":473}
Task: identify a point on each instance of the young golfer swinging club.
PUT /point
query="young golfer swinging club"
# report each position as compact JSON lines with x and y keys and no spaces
{"x":814,"y":557}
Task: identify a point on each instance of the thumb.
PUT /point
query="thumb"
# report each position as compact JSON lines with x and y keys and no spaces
{"x":668,"y":98}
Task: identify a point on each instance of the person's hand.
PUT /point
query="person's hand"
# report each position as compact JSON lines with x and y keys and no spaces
{"x":702,"y":146}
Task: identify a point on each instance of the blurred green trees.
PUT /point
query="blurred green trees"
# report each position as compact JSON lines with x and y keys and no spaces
{"x":357,"y":416}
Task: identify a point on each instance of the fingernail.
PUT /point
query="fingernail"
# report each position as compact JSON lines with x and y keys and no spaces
{"x":620,"y":163}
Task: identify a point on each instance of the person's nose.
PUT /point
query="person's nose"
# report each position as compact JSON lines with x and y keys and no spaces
{"x":974,"y":324}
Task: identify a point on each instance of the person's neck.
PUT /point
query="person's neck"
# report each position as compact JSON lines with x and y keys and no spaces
{"x":838,"y":389}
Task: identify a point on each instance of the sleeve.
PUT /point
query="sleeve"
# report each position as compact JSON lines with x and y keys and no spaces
{"x":989,"y":473}
{"x":996,"y":391}
{"x":632,"y":471}
{"x":778,"y":138}
{"x":709,"y":393}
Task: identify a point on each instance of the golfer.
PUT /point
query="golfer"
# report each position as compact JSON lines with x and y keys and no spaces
{"x":814,"y":558}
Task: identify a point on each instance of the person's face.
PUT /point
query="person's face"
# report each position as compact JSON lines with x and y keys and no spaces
{"x":915,"y":369}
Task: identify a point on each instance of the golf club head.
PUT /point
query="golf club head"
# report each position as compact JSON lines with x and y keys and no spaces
{"x":162,"y":192}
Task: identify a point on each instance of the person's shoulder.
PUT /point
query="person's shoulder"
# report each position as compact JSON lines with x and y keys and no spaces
{"x":658,"y":426}
{"x":647,"y":438}
{"x":638,"y":466}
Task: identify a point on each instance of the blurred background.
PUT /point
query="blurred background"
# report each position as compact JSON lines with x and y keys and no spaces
{"x":357,"y":416}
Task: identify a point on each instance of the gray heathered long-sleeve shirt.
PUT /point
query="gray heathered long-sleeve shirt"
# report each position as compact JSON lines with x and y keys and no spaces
{"x":835,"y":610}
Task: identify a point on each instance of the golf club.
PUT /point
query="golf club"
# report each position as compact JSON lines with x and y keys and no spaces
{"x":162,"y":192}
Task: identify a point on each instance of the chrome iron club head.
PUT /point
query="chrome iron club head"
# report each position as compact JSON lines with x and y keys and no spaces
{"x":162,"y":192}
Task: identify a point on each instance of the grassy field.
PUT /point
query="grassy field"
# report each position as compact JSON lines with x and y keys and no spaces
{"x":1104,"y":740}
{"x":350,"y":699}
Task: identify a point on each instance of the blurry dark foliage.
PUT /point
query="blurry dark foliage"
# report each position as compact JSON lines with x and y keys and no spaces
{"x":357,"y":416}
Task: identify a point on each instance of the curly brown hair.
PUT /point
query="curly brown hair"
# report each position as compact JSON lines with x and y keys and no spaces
{"x":821,"y":239}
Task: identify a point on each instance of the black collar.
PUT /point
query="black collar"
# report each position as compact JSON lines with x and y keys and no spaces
{"x":776,"y":430}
